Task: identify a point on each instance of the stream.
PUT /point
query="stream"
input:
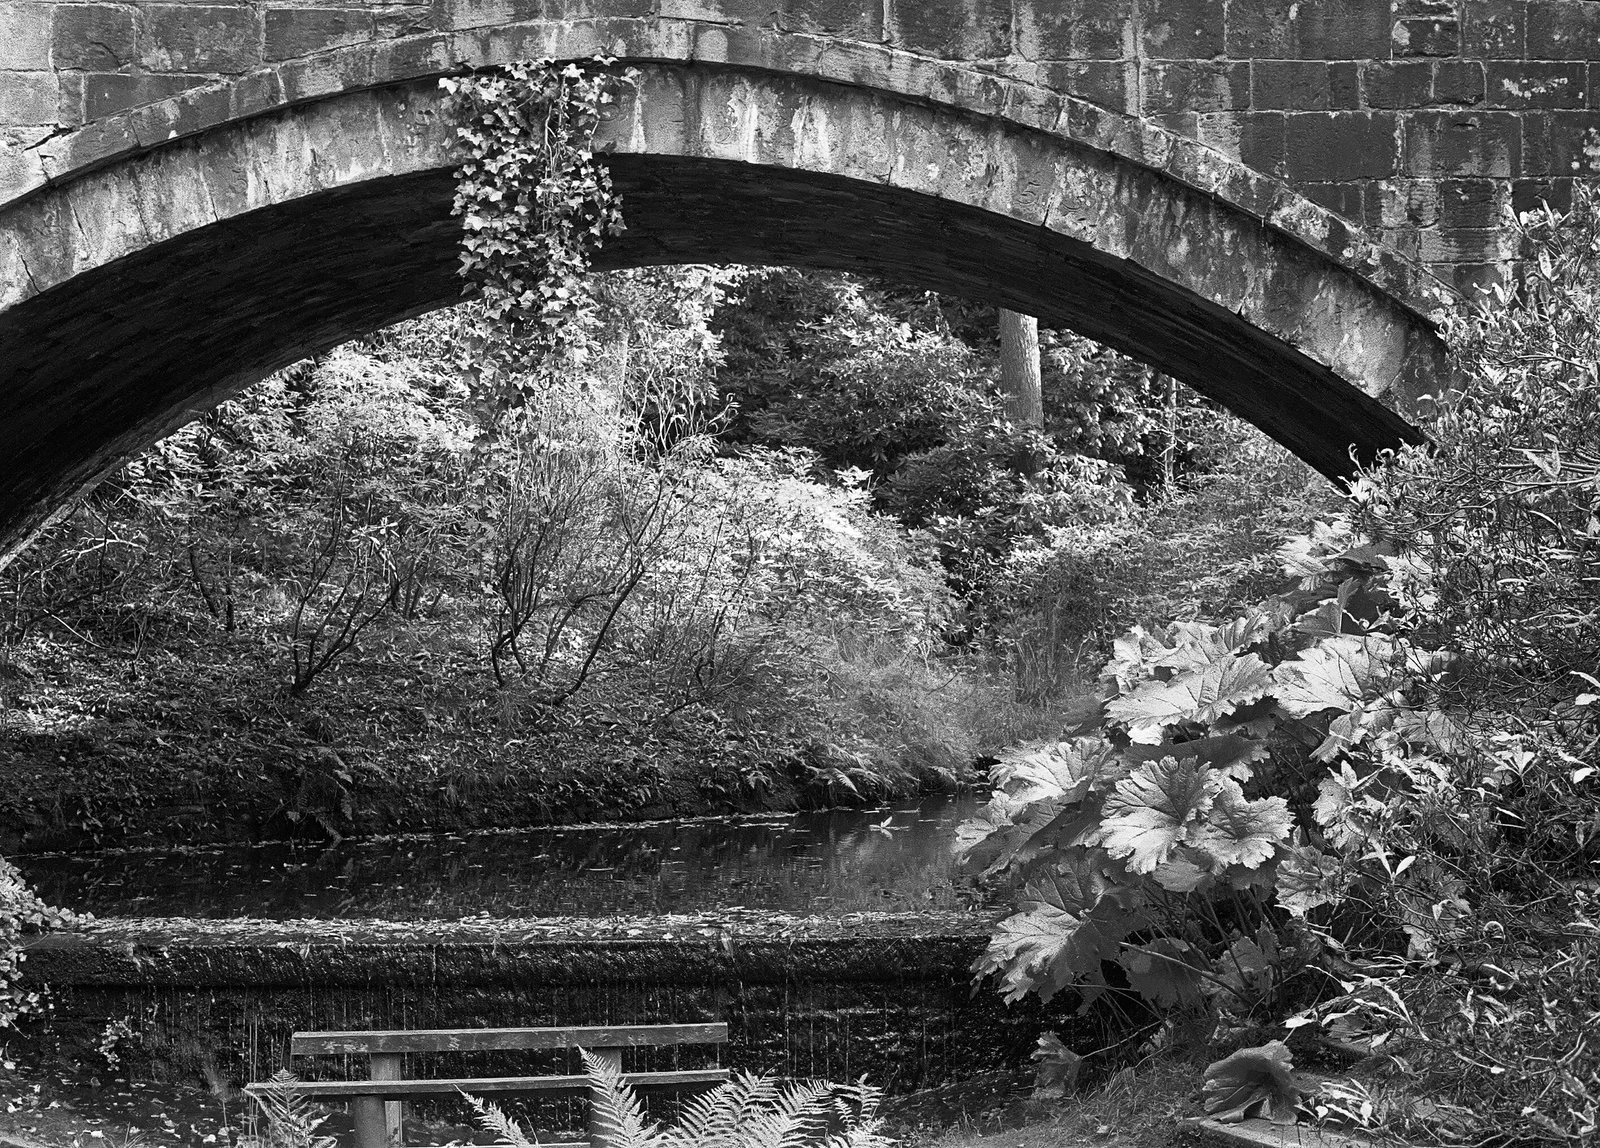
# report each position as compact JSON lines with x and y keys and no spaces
{"x":897,"y":859}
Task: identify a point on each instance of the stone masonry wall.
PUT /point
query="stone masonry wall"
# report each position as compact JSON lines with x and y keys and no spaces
{"x":1427,"y":122}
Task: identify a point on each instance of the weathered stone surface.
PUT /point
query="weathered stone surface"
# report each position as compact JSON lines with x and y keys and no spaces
{"x":886,"y":996}
{"x":1296,"y":113}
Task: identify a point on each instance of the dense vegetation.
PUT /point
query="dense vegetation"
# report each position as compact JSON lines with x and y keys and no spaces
{"x":1365,"y":805}
{"x":665,"y":541}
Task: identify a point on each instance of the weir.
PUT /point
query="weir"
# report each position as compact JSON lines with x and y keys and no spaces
{"x":888,"y":995}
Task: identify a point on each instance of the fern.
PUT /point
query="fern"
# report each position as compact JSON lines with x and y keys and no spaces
{"x":291,"y":1120}
{"x":748,"y":1111}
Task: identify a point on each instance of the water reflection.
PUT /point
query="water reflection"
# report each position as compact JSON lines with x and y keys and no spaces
{"x":839,"y":861}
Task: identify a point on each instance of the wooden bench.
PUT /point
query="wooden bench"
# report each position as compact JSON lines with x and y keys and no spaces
{"x":376,"y":1102}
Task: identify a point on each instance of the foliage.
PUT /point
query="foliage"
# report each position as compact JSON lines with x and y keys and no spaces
{"x":1251,"y":1081}
{"x":289,"y":1116}
{"x":1501,"y":512}
{"x":746,"y":1112}
{"x":535,"y":205}
{"x":22,"y":914}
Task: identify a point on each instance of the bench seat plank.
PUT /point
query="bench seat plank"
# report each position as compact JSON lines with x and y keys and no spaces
{"x":400,"y":1089}
{"x":503,"y":1039}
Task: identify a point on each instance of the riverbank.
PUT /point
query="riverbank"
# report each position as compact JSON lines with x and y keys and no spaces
{"x":194,"y":742}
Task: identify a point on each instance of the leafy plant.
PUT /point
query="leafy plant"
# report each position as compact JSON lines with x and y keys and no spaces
{"x":746,"y":1112}
{"x":22,"y":914}
{"x":291,"y":1121}
{"x":1251,"y":1081}
{"x":535,"y":205}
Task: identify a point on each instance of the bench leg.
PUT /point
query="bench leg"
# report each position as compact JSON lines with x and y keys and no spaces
{"x":378,"y":1121}
{"x":612,"y":1057}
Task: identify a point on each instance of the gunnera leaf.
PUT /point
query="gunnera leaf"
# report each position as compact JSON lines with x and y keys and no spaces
{"x":1335,"y":674}
{"x":1231,"y":754}
{"x":1201,"y":696}
{"x":1253,"y":1081}
{"x":1071,"y":921}
{"x":1156,"y":809}
{"x":1242,"y":832}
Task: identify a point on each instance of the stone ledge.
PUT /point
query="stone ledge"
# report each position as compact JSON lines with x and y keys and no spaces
{"x":1265,"y":1134}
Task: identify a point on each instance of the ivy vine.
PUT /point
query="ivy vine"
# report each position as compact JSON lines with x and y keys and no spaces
{"x":535,"y":207}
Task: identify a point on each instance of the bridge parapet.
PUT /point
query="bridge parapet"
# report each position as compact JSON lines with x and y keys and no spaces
{"x":1425,"y":123}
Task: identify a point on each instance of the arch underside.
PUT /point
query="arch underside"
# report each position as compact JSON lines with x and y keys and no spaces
{"x":124,"y":344}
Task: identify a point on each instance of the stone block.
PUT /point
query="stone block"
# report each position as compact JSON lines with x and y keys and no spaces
{"x":200,"y":38}
{"x":24,"y":36}
{"x":1494,"y":29}
{"x":1458,"y":82}
{"x":1474,"y":203}
{"x":1531,"y":194}
{"x":1077,"y":30}
{"x":1309,"y":30}
{"x":1338,"y":146}
{"x":1263,"y":143}
{"x":754,"y":12}
{"x":1346,"y":199}
{"x":974,"y":30}
{"x":21,"y":171}
{"x":28,"y":98}
{"x":1409,"y":203}
{"x":69,"y":99}
{"x":1429,"y":8}
{"x":1399,"y":85}
{"x":92,"y":37}
{"x":1462,"y":143}
{"x":1112,"y":84}
{"x":1562,"y":31}
{"x":1427,"y":38}
{"x":1466,"y":245}
{"x":1515,"y":84}
{"x":1181,"y":29}
{"x":290,"y":33}
{"x":391,"y":23}
{"x":1289,"y":85}
{"x":1559,"y":144}
{"x":106,"y":94}
{"x":1197,"y":86}
{"x":833,"y":17}
{"x":1344,"y":86}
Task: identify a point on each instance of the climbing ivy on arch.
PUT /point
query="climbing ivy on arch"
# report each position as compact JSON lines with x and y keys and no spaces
{"x":535,"y":207}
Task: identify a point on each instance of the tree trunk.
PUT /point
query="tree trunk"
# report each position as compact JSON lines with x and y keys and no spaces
{"x":1019,"y":368}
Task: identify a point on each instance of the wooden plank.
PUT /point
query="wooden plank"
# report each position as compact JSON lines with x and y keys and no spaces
{"x":400,"y":1089}
{"x":503,"y":1039}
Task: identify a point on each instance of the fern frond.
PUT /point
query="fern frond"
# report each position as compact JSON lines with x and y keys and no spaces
{"x":614,"y":1108}
{"x":291,"y":1121}
{"x":493,"y":1120}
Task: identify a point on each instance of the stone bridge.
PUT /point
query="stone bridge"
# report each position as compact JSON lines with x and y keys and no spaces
{"x":1261,"y":197}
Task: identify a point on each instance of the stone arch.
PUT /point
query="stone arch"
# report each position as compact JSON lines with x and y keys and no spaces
{"x":157,"y":279}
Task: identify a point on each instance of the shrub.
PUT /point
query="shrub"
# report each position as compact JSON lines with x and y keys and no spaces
{"x":22,"y":914}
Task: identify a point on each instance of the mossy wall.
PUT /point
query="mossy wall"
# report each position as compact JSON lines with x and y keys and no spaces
{"x":890,"y":997}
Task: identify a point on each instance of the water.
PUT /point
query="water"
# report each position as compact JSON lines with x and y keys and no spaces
{"x":834,"y":862}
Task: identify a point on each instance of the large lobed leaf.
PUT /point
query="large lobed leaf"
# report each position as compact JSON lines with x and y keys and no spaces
{"x":1199,"y":696}
{"x":1253,"y":1080}
{"x":1155,"y":810}
{"x":1071,"y":922}
{"x":1338,"y":673}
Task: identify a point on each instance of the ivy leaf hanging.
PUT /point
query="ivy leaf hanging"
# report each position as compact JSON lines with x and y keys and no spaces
{"x":1200,"y":696}
{"x":1155,"y":810}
